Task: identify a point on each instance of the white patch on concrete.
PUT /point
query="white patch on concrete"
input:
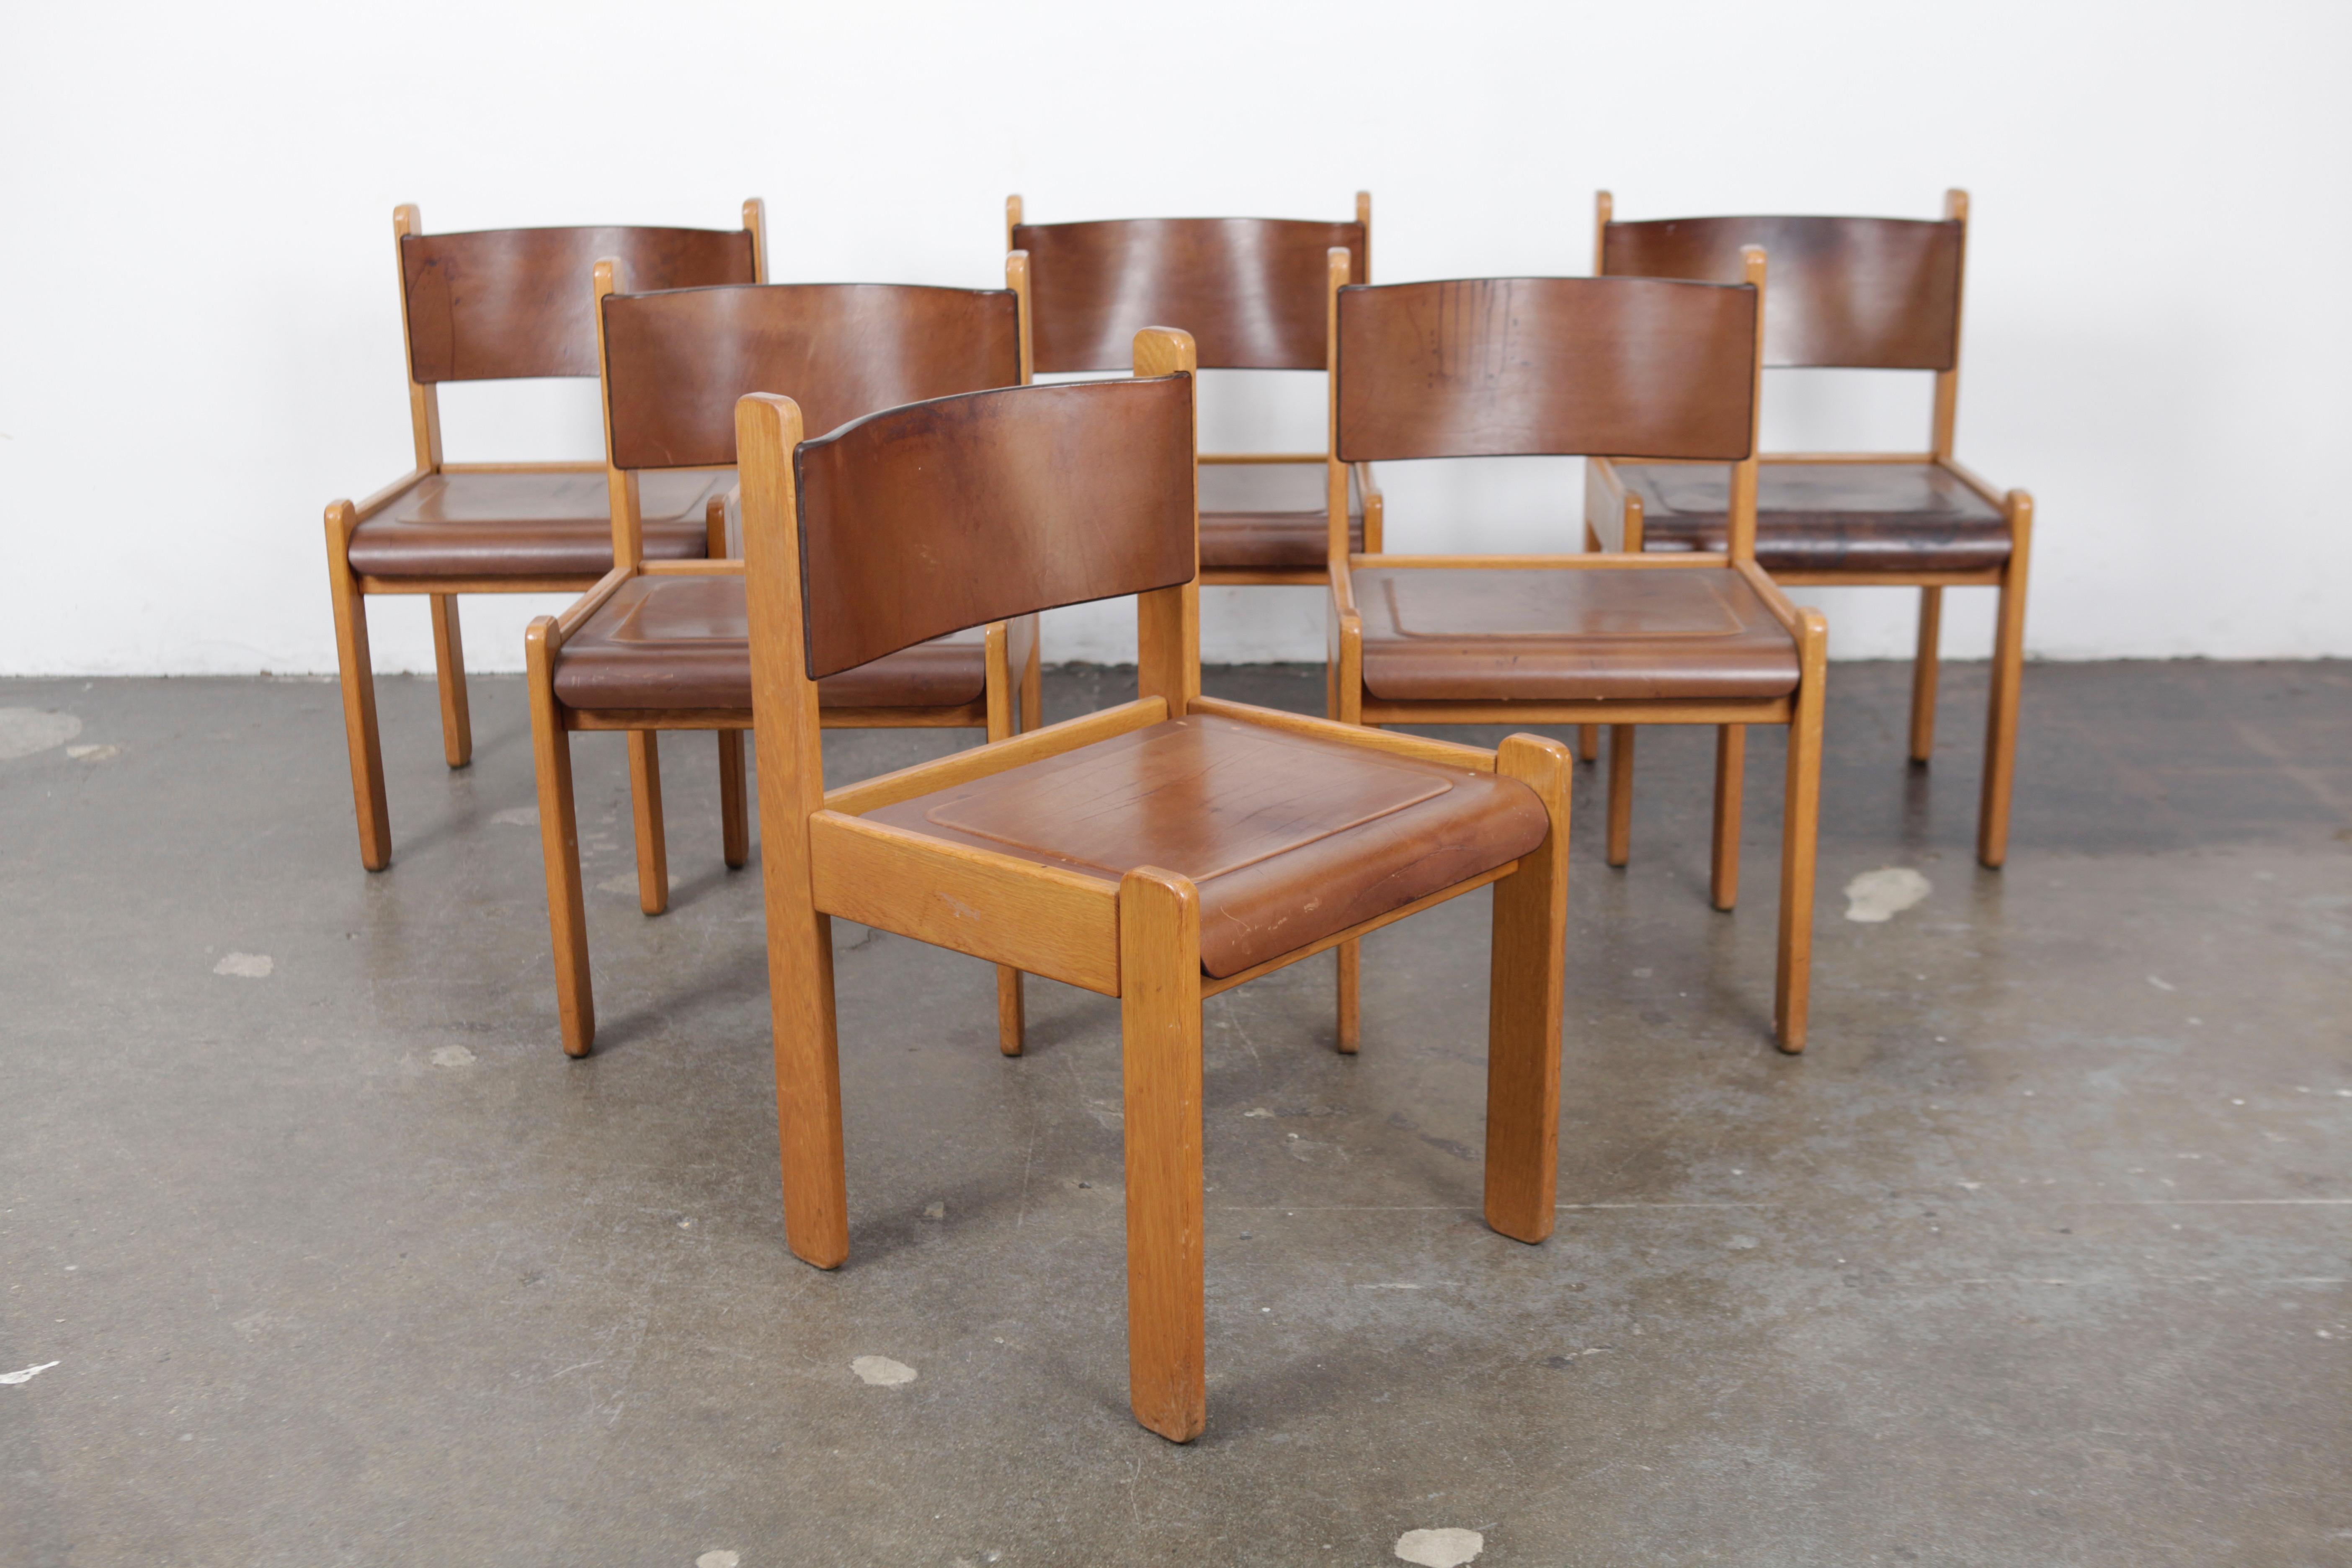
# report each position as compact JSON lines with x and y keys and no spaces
{"x":935,"y":1211}
{"x":453,"y":1056}
{"x":1742,"y":1243}
{"x":881,"y":1372}
{"x":27,"y":1374}
{"x":1260,"y":1110}
{"x":1877,"y":896}
{"x":516,"y":817}
{"x":2161,"y":984}
{"x":717,"y":1559}
{"x":1439,"y":1548}
{"x":24,"y":730}
{"x":246,"y":965}
{"x":92,"y":753}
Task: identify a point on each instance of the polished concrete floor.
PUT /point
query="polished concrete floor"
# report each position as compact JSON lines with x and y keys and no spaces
{"x":2042,"y":1254}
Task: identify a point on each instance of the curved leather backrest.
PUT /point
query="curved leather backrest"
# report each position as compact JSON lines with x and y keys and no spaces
{"x":1856,"y":293}
{"x":505,"y":302}
{"x":1249,"y":289}
{"x":920,"y":522}
{"x":677,"y":362}
{"x":1483,"y":367}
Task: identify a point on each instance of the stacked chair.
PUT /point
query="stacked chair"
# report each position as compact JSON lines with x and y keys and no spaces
{"x":1160,"y":852}
{"x":906,"y":503}
{"x":1517,"y":366}
{"x":492,"y":305}
{"x":1859,"y":293}
{"x":665,"y":644}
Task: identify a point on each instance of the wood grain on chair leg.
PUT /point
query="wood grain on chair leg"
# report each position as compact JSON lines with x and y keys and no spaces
{"x":1351,"y":981}
{"x":1730,"y":782}
{"x":1159,"y":1031}
{"x":558,"y":839}
{"x":645,"y":800}
{"x":808,"y":1072}
{"x":1923,"y":673}
{"x":1793,"y":975}
{"x":1620,"y":794}
{"x":1524,"y":1005}
{"x":1003,"y":688}
{"x":734,"y":809}
{"x":1032,"y":687}
{"x":449,"y":667}
{"x":2008,"y":673}
{"x":358,"y":673}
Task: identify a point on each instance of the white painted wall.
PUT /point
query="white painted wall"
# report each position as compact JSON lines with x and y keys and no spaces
{"x":199,"y":344}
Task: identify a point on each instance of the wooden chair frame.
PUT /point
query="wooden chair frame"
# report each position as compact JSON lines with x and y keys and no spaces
{"x":1350,"y":703}
{"x":351,"y":590}
{"x":1011,"y":703}
{"x":1613,"y":521}
{"x":1137,"y":939}
{"x":1367,"y":493}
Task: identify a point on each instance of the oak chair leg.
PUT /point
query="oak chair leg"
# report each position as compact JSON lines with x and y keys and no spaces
{"x":808,"y":1072}
{"x":1620,"y":794}
{"x":358,"y":672}
{"x":449,"y":665}
{"x":1032,"y":687}
{"x":645,"y":801}
{"x":1800,"y":823}
{"x":1351,"y":996}
{"x":1730,"y":782}
{"x":559,"y":840}
{"x":1159,"y":1042}
{"x":734,"y":810}
{"x":1923,"y":673}
{"x":2008,"y":673}
{"x":1524,"y":1003}
{"x":1004,"y":687}
{"x":1588,"y":736}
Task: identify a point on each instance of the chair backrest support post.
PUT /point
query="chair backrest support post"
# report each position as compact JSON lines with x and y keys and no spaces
{"x":424,"y":399}
{"x":1168,"y":620}
{"x":1947,"y":382}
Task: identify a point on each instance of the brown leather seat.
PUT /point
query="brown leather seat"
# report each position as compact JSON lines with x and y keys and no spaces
{"x":685,"y":642}
{"x":528,"y":524}
{"x":1826,"y":517}
{"x":1459,"y":634}
{"x":1262,"y":516}
{"x":1289,"y":837}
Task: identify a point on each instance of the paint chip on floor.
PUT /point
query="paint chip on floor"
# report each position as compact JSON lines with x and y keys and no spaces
{"x":246,"y":965}
{"x":935,"y":1211}
{"x":27,"y":1374}
{"x":516,"y":817}
{"x":717,"y":1559}
{"x":92,"y":753}
{"x":453,"y":1056}
{"x":1742,"y":1243}
{"x":1877,"y":896}
{"x":1439,"y":1548}
{"x":881,"y":1372}
{"x":25,"y":731}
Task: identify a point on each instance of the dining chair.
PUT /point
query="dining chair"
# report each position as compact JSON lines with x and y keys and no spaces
{"x":1161,"y":851}
{"x":1573,"y":366}
{"x":495,"y":305}
{"x":1847,"y":294}
{"x":1250,"y":290}
{"x":665,"y":644}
